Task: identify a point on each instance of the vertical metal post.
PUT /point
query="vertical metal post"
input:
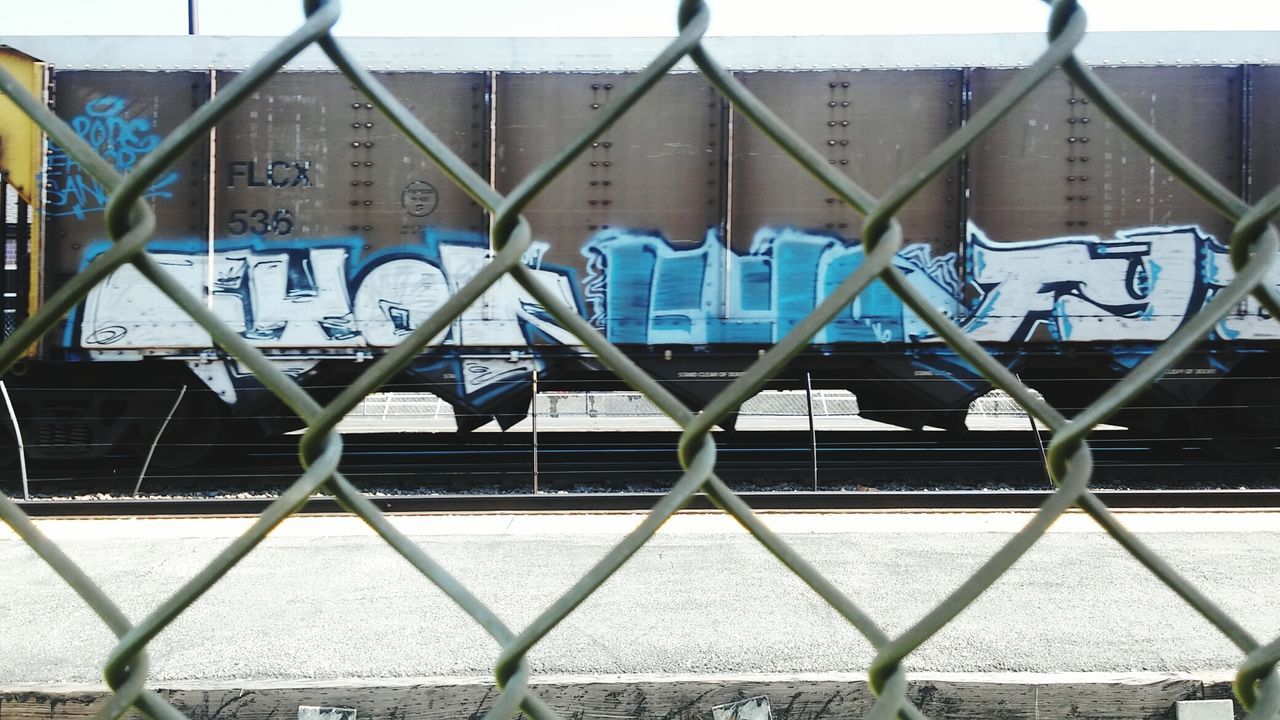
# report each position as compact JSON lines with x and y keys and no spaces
{"x":813,"y":433}
{"x":193,"y":14}
{"x":1044,"y":458}
{"x":17,"y":434}
{"x":533,"y":416}
{"x":147,"y":463}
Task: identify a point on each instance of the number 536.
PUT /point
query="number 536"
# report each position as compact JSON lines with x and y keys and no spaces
{"x":260,"y":222}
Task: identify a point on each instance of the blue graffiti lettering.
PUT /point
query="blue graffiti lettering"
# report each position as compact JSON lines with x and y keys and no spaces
{"x":119,"y":139}
{"x":643,"y":289}
{"x":1141,"y":285}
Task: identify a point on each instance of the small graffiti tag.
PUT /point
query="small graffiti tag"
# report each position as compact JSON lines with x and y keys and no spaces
{"x":121,"y":140}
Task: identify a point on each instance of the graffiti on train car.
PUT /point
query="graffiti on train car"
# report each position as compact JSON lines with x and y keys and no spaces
{"x":642,"y":289}
{"x":322,"y":296}
{"x":1141,"y":285}
{"x":121,"y":138}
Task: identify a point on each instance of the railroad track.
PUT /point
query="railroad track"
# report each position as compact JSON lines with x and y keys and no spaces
{"x":647,"y":460}
{"x":1259,"y":499}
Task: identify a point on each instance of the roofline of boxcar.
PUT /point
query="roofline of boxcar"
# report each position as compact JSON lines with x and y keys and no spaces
{"x":629,"y":54}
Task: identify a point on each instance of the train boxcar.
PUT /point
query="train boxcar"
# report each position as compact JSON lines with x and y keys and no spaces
{"x":318,"y":232}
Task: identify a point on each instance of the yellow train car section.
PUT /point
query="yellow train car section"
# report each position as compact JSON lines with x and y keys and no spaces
{"x":22,"y":150}
{"x":22,"y":153}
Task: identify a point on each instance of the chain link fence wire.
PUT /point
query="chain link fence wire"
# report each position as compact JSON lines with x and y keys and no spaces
{"x":130,"y":224}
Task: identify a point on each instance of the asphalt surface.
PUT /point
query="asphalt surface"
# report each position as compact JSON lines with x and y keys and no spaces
{"x":321,"y":599}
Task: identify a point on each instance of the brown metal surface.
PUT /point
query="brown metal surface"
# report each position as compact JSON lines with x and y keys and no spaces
{"x":120,"y":113}
{"x":874,"y":125}
{"x":311,"y":148}
{"x":660,"y":168}
{"x":1265,"y":131}
{"x":1055,"y":166}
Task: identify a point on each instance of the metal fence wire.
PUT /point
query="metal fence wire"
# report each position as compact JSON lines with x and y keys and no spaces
{"x":130,"y":224}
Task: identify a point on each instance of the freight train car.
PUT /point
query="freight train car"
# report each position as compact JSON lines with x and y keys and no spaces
{"x":318,"y":231}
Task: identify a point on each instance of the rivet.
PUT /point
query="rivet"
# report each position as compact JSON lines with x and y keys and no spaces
{"x":369,"y":144}
{"x":605,"y":202}
{"x":844,"y":103}
{"x":368,"y":202}
{"x":368,"y":125}
{"x":1071,"y":121}
{"x":831,"y":104}
{"x":591,"y":202}
{"x":370,"y":227}
{"x":831,"y":123}
{"x":844,"y":84}
{"x":606,"y":163}
{"x":595,"y":86}
{"x":844,"y":123}
{"x":1071,"y":158}
{"x":593,"y":183}
{"x":831,"y":226}
{"x":831,"y":142}
{"x":1084,"y":139}
{"x":595,"y":163}
{"x":595,"y":106}
{"x":607,"y":183}
{"x":1071,"y":178}
{"x":1084,"y":120}
{"x":355,"y":125}
{"x":355,"y":182}
{"x":355,"y":106}
{"x":608,"y":86}
{"x":368,"y":183}
{"x":353,"y":228}
{"x":844,"y":142}
{"x":355,"y":202}
{"x":368,"y":163}
{"x":607,"y":144}
{"x":592,"y":227}
{"x":355,"y":163}
{"x":368,"y":106}
{"x":846,"y":162}
{"x":1084,"y":178}
{"x":1071,"y":101}
{"x":833,"y":84}
{"x":355,"y":144}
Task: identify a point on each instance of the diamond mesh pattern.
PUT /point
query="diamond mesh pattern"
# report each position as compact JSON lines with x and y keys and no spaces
{"x":131,"y":223}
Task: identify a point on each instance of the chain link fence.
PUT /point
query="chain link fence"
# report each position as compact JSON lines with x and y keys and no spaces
{"x":130,"y":223}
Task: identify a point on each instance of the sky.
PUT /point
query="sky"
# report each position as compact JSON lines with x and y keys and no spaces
{"x":615,"y":18}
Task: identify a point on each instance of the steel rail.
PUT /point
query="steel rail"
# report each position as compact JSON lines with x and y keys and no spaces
{"x":923,"y":501}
